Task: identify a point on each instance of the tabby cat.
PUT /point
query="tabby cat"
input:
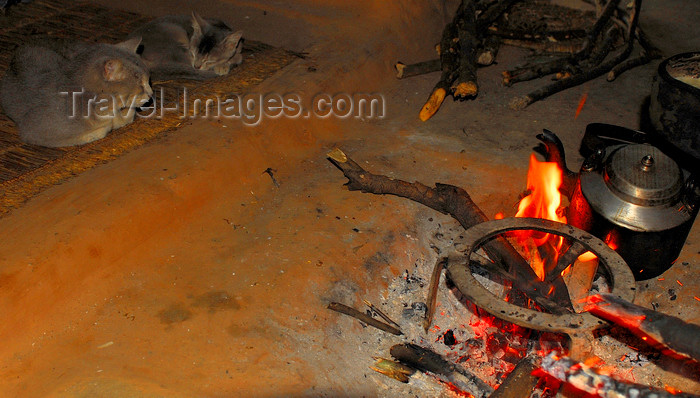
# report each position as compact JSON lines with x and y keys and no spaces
{"x":181,"y":47}
{"x":63,"y":93}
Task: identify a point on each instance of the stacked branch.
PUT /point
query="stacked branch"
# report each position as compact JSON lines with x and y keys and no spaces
{"x":592,"y":46}
{"x":463,"y":46}
{"x":605,"y":50}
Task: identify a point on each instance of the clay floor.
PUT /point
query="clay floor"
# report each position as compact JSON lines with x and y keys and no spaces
{"x":181,"y":269}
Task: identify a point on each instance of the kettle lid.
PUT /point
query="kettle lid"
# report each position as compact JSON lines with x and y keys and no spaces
{"x":643,"y":175}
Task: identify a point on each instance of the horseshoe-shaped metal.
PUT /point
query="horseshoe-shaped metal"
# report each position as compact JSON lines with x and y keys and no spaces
{"x":623,"y":284}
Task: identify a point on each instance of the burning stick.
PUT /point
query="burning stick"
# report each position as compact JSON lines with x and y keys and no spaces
{"x":361,"y":316}
{"x":584,"y":378}
{"x":426,"y":360}
{"x":655,"y":328}
{"x":456,"y":202}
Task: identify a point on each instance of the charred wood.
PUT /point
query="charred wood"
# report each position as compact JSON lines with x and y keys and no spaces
{"x":432,"y":293}
{"x":486,"y":55}
{"x":586,"y":379}
{"x":465,"y":85}
{"x":426,"y":360}
{"x":656,"y":328}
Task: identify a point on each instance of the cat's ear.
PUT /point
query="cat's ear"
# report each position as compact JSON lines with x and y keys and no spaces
{"x":198,"y":24}
{"x":112,"y":70}
{"x":130,"y":45}
{"x":231,"y":41}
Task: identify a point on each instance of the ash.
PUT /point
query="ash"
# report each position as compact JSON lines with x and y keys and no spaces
{"x":461,"y":332}
{"x":487,"y":347}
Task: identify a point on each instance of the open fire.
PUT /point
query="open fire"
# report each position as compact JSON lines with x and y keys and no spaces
{"x":544,"y":201}
{"x":481,"y":346}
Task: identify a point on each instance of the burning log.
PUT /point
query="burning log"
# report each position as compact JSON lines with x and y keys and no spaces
{"x":361,"y":316}
{"x":456,"y":202}
{"x":585,"y":378}
{"x":426,"y":360}
{"x":674,"y":336}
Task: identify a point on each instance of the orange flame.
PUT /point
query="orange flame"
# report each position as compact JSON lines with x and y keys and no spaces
{"x":609,"y":240}
{"x":544,"y":200}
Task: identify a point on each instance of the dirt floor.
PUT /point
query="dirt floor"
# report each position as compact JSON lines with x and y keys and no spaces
{"x":182,"y":269}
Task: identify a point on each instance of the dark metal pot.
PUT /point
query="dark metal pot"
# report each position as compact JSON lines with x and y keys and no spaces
{"x":674,"y":106}
{"x":635,"y":198}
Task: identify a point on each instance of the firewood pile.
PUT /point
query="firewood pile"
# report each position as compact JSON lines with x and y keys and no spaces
{"x":582,"y":45}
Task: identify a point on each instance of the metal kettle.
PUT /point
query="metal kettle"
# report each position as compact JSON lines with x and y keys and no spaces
{"x":635,"y":198}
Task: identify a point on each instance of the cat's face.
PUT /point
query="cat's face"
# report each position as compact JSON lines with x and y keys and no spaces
{"x":118,"y":78}
{"x":214,"y":47}
{"x":127,"y":77}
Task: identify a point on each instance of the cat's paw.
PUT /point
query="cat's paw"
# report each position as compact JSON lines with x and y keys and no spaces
{"x":123,"y":117}
{"x":93,"y":135}
{"x":222,"y":70}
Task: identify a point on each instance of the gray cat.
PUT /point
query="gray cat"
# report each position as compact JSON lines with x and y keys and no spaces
{"x":63,"y":93}
{"x":181,"y":47}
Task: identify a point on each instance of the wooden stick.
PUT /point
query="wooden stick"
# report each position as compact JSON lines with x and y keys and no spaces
{"x":381,"y":314}
{"x":448,"y":64}
{"x":486,"y":55}
{"x":674,"y":336}
{"x":491,"y":14}
{"x":432,"y":293}
{"x":630,"y":64}
{"x":426,"y":360}
{"x":456,"y":202}
{"x":593,"y":33}
{"x":403,"y":71}
{"x":361,"y":316}
{"x":465,"y":85}
{"x":534,"y":71}
{"x":575,"y":80}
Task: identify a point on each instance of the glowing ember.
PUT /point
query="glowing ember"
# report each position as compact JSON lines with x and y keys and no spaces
{"x":581,"y":103}
{"x":544,"y":200}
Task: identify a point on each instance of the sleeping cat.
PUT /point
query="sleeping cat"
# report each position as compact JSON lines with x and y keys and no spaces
{"x":63,"y":93}
{"x":189,"y":47}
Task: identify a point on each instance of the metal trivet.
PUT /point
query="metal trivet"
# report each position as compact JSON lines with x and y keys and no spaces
{"x":576,"y":325}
